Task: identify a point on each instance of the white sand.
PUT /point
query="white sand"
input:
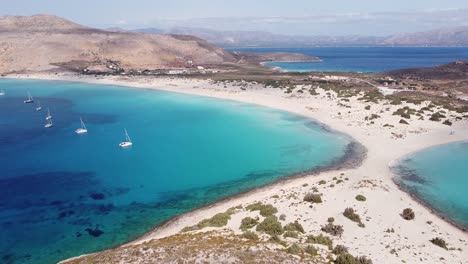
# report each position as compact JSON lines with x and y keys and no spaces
{"x":372,"y":179}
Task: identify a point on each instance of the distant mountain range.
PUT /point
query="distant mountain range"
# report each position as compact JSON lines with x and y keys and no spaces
{"x":435,"y":38}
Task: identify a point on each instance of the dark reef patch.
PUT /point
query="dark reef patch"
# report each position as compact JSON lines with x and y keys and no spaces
{"x":94,"y":232}
{"x":97,"y":196}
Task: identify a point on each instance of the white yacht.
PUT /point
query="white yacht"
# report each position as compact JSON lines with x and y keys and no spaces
{"x":29,"y":100}
{"x":2,"y":92}
{"x":49,"y":123}
{"x":48,"y":117}
{"x":39,"y":107}
{"x":127,"y":142}
{"x":82,"y":129}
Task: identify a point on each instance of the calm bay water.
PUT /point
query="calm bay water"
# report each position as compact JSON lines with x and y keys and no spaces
{"x":438,"y":176}
{"x":367,"y":59}
{"x":63,"y":194}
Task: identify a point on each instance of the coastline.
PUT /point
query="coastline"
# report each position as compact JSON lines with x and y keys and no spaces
{"x":393,"y":166}
{"x":376,"y":162}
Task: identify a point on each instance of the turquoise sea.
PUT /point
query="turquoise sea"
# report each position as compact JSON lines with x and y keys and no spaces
{"x":438,"y":176}
{"x":63,"y":194}
{"x":366,"y":59}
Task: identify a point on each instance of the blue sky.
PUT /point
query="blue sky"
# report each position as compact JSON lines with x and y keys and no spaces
{"x":306,"y":17}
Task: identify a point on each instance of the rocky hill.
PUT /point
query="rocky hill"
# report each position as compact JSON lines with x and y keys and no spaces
{"x":44,"y":42}
{"x":457,"y":70}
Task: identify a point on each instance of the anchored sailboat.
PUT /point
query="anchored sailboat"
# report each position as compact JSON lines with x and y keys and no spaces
{"x":29,"y":100}
{"x":48,"y":117}
{"x":82,"y":129}
{"x":127,"y":142}
{"x":39,"y":107}
{"x":49,"y":123}
{"x":2,"y":92}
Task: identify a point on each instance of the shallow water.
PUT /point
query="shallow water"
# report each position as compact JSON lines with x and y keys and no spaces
{"x":439,"y":177}
{"x":367,"y":59}
{"x":63,"y":194}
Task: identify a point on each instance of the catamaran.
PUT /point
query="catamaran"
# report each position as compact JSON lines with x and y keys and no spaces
{"x":49,"y":123}
{"x":127,"y":142}
{"x":48,"y":117}
{"x":2,"y":92}
{"x":29,"y":100}
{"x":82,"y":129}
{"x":39,"y":107}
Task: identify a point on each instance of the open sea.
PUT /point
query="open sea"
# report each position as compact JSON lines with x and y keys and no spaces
{"x":366,"y":59}
{"x":438,"y":176}
{"x":63,"y":194}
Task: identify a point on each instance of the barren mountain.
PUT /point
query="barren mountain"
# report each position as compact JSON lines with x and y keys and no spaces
{"x":44,"y":42}
{"x":265,"y":39}
{"x":439,"y":37}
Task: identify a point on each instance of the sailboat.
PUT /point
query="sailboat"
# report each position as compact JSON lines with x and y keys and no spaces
{"x":2,"y":92}
{"x":82,"y":129}
{"x":29,"y":100}
{"x":39,"y":107}
{"x":48,"y":117}
{"x":49,"y":123}
{"x":127,"y":142}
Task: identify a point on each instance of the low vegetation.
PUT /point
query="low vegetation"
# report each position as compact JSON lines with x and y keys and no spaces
{"x":218,"y":220}
{"x":351,"y":215}
{"x":265,"y":209}
{"x":439,"y":242}
{"x":313,"y":198}
{"x":250,"y":235}
{"x":296,"y":226}
{"x":334,"y":230}
{"x":361,"y":198}
{"x":320,"y":239}
{"x":347,"y":258}
{"x":270,"y":226}
{"x":248,"y":222}
{"x":408,"y":214}
{"x":340,"y":249}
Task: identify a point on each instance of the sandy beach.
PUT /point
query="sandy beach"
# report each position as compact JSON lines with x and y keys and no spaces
{"x":410,"y":241}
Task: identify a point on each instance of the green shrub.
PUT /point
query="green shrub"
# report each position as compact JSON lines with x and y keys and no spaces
{"x":322,"y":182}
{"x":361,"y":198}
{"x":408,"y":214}
{"x":313,"y":198}
{"x":294,"y":249}
{"x":351,"y":215}
{"x":311,"y":250}
{"x":282,"y":217}
{"x":270,"y":226}
{"x":248,"y":222}
{"x":334,"y":230}
{"x":296,"y":226}
{"x":367,"y":107}
{"x":340,"y":249}
{"x":265,"y":209}
{"x":277,"y":239}
{"x":347,"y":258}
{"x":320,"y":239}
{"x":250,"y":235}
{"x":404,"y":122}
{"x":437,"y":117}
{"x":292,"y":234}
{"x":439,"y":242}
{"x":218,"y":220}
{"x":330,"y":220}
{"x":447,"y":122}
